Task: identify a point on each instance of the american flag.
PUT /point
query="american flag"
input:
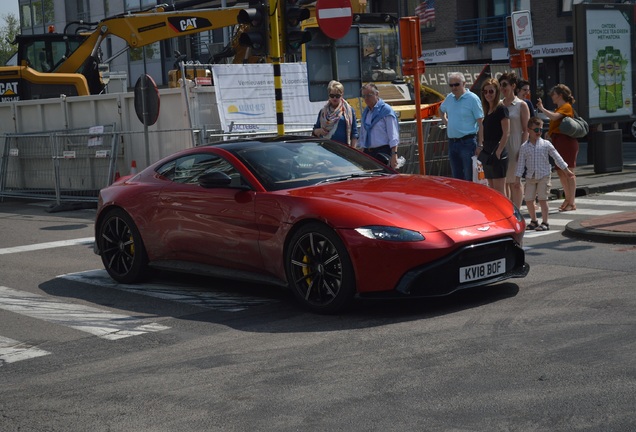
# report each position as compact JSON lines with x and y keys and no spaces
{"x":426,"y":11}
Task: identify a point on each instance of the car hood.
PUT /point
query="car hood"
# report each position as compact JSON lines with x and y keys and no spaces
{"x":425,"y":203}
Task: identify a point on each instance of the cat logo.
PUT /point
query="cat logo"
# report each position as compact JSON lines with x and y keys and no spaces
{"x":187,"y":24}
{"x":9,"y":91}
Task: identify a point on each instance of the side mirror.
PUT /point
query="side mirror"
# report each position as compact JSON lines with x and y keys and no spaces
{"x":215,"y":179}
{"x":218,"y":179}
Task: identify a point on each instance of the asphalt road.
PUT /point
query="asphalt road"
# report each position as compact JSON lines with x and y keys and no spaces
{"x":552,"y":352}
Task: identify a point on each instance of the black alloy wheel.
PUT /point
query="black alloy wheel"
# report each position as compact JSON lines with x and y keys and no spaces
{"x":319,"y":270}
{"x":121,"y":248}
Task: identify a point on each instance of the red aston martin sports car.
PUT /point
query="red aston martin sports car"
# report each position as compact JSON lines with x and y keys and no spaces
{"x":319,"y":217}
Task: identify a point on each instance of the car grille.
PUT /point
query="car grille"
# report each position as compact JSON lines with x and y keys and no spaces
{"x":442,"y":277}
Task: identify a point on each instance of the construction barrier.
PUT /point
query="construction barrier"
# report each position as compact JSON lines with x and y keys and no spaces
{"x":70,"y":165}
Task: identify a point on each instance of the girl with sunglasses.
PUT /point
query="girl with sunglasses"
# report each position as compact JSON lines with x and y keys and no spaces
{"x":519,"y":115}
{"x":496,"y":127}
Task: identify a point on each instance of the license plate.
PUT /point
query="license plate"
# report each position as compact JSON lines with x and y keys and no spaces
{"x":482,"y":271}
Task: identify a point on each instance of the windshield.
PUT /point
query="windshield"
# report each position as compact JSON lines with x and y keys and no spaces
{"x":287,"y":165}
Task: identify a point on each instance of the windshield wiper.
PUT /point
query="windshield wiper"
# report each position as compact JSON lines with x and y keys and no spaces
{"x":353,"y":176}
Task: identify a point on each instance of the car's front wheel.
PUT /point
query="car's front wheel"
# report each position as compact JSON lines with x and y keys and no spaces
{"x":319,"y":269}
{"x":121,"y":247}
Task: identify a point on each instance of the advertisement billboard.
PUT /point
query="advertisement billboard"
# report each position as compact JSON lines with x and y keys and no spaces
{"x":604,"y":61}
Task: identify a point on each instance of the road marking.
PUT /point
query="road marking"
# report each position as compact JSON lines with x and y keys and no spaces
{"x":105,"y":325}
{"x":621,"y":193}
{"x":12,"y":351}
{"x":598,"y":202}
{"x":49,"y":245}
{"x":193,"y":296}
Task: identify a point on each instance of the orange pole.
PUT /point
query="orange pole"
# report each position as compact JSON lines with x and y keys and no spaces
{"x":524,"y":64}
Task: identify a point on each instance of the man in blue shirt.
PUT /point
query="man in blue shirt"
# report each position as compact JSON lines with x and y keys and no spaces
{"x":462,"y":113}
{"x":379,"y":130}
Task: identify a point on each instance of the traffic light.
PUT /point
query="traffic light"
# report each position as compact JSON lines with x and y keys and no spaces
{"x":257,"y":36}
{"x":294,"y":35}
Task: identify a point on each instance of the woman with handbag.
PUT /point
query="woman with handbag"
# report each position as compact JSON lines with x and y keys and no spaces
{"x":492,"y":152}
{"x":567,"y":147}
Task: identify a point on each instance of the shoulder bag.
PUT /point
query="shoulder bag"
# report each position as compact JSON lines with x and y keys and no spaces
{"x":574,"y":127}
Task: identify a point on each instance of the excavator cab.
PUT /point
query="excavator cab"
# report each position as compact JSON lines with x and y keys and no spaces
{"x":45,"y":52}
{"x":37,"y":57}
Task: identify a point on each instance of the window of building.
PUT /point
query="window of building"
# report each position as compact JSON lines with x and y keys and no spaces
{"x":135,"y":5}
{"x":37,"y":13}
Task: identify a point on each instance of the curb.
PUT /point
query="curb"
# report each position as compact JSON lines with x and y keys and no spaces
{"x":575,"y":229}
{"x":600,"y":188}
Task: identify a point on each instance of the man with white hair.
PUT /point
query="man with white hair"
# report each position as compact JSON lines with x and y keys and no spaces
{"x":462,"y":113}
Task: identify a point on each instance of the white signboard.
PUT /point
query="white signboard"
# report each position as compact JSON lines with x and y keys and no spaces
{"x":522,"y":30}
{"x":246,"y":100}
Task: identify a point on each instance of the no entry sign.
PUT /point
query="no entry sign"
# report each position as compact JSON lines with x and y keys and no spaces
{"x":334,"y":17}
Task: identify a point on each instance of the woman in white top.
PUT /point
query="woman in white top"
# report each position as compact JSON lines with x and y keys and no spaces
{"x":519,"y":115}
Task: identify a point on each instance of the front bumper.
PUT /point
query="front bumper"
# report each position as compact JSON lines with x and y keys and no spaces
{"x":441,"y":277}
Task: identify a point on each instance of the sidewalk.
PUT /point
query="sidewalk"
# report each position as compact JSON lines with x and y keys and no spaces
{"x":615,"y":228}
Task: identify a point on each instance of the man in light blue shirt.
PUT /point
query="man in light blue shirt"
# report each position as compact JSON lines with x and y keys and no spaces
{"x":379,"y":130}
{"x":462,"y":113}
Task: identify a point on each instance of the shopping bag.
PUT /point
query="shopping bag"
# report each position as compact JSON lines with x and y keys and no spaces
{"x":478,"y":172}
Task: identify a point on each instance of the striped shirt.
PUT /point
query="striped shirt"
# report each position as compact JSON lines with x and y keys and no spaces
{"x":534,"y":159}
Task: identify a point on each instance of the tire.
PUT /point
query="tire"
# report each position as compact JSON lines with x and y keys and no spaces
{"x":319,"y":269}
{"x":121,"y":247}
{"x":632,"y":130}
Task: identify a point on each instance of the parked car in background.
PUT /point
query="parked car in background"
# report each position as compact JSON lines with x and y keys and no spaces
{"x":629,"y":130}
{"x":314,"y":215}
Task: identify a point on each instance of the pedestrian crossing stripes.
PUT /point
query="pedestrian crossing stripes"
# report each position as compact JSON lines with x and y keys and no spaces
{"x":49,"y":245}
{"x":12,"y":351}
{"x":106,"y":325}
{"x":592,"y":206}
{"x":207,"y":299}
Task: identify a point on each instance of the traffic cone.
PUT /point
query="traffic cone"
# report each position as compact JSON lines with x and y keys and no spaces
{"x":133,"y":168}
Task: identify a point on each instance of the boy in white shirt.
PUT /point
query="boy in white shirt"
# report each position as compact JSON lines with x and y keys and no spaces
{"x":534,"y":160}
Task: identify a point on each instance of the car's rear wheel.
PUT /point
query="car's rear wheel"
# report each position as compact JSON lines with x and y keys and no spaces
{"x":319,"y":270}
{"x":632,"y":130}
{"x":121,"y":247}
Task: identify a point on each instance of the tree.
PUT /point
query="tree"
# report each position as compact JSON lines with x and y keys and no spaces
{"x":9,"y":28}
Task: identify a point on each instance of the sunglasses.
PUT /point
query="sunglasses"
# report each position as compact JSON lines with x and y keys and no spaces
{"x":454,"y":84}
{"x":504,"y":84}
{"x":335,"y":96}
{"x":491,"y":91}
{"x":368,"y":95}
{"x":536,"y":130}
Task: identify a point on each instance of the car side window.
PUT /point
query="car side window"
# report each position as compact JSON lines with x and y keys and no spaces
{"x":188,"y":169}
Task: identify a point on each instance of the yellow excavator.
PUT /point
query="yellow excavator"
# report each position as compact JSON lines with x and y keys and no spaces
{"x":52,"y":64}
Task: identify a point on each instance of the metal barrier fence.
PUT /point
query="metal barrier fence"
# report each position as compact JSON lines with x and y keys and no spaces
{"x":62,"y":165}
{"x":73,"y":165}
{"x":435,"y":148}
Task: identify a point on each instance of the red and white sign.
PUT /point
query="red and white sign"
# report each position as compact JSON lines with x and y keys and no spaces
{"x":334,"y":17}
{"x":522,"y":30}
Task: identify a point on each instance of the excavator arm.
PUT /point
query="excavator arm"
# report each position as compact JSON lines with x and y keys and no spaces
{"x":145,"y":28}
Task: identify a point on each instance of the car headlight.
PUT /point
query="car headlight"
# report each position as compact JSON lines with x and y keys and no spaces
{"x":517,"y":213}
{"x":377,"y":232}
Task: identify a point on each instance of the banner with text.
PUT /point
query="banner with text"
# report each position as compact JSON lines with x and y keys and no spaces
{"x":246,"y":101}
